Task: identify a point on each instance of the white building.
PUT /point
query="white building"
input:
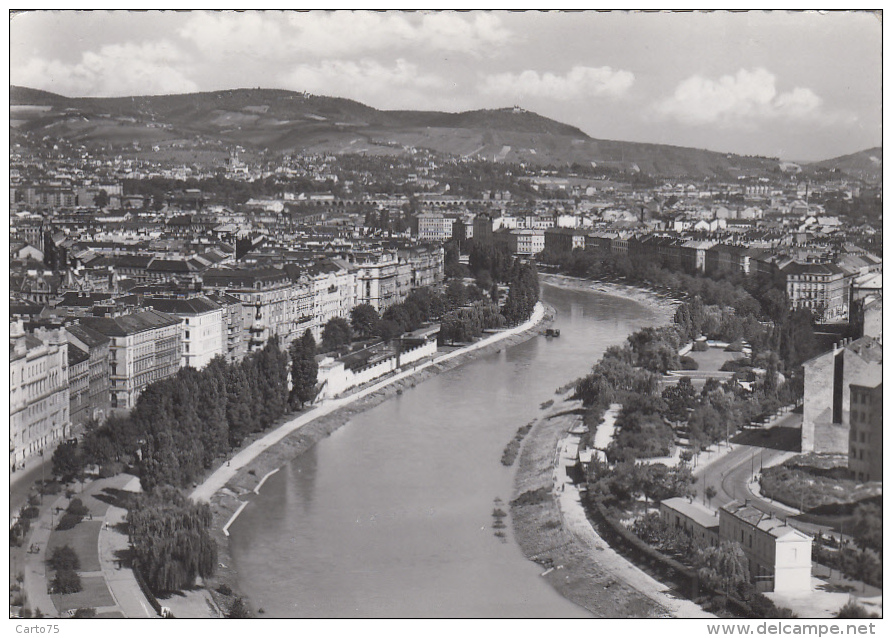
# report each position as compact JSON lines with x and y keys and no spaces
{"x":779,"y":555}
{"x":202,"y":327}
{"x":38,"y":392}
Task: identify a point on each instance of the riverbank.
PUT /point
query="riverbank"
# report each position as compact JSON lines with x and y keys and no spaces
{"x":548,"y":522}
{"x":663,"y":306}
{"x":230,"y":487}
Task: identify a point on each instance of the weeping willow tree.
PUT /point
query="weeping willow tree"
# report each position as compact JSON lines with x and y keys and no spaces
{"x":171,"y":539}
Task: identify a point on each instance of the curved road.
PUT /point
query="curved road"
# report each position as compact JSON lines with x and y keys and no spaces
{"x":732,"y":474}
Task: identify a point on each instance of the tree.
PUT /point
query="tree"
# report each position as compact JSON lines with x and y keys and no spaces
{"x":171,"y":539}
{"x":101,"y":200}
{"x":723,"y":567}
{"x":853,"y":610}
{"x":304,"y":369}
{"x":336,"y":333}
{"x":68,"y":462}
{"x":365,"y":320}
{"x":709,"y":493}
{"x":679,"y":399}
{"x":64,"y":558}
{"x":868,"y":526}
{"x":66,"y":581}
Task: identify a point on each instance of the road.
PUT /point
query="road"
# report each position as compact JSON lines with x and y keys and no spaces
{"x":21,"y":481}
{"x":732,"y":474}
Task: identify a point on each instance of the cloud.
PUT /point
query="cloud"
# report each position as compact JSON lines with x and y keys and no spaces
{"x":114,"y":70}
{"x":401,"y":85}
{"x":743,"y":98}
{"x":578,"y":82}
{"x":328,"y":34}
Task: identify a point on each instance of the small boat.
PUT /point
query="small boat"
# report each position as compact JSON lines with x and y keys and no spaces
{"x":552,"y":332}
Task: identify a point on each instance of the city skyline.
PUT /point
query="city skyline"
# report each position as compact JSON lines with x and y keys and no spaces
{"x":798,"y":85}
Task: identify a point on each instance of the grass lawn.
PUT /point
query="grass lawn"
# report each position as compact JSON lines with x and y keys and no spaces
{"x":94,"y":594}
{"x":83,"y":538}
{"x":711,"y":360}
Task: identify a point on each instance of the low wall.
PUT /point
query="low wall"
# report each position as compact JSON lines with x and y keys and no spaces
{"x":338,"y":379}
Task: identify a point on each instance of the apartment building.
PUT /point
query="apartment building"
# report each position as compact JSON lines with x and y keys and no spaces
{"x":38,"y":392}
{"x":823,"y":288}
{"x":826,"y":399}
{"x":145,"y":347}
{"x":203,"y":327}
{"x":434,"y":227}
{"x":527,"y":241}
{"x":866,"y":432}
{"x":97,"y":347}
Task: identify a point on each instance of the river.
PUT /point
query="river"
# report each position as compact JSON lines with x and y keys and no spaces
{"x":391,"y":516}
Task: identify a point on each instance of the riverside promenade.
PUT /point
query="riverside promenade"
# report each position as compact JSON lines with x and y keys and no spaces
{"x":225,"y":473}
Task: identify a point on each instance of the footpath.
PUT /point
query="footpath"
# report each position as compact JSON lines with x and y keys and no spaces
{"x":225,"y":473}
{"x":103,"y":547}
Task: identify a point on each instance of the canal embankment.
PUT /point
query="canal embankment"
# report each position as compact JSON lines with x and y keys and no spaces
{"x":232,"y":485}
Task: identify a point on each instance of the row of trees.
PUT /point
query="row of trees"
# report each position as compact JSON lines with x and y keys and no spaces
{"x":181,"y":424}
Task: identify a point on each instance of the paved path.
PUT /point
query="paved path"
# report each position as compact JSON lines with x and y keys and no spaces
{"x":225,"y":473}
{"x":36,"y":585}
{"x":575,"y":521}
{"x":129,"y":598}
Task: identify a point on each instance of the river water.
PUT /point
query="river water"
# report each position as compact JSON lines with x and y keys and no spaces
{"x":391,"y":516}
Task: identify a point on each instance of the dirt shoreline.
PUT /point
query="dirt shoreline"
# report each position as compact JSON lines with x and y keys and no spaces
{"x":569,"y":565}
{"x":226,"y":501}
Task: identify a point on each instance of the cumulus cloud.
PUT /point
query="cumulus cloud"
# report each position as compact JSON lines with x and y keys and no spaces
{"x":113,"y":70}
{"x":745,"y":97}
{"x":339,"y":33}
{"x":400,"y":85}
{"x":578,"y":82}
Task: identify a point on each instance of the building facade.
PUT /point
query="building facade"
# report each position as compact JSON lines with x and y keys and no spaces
{"x":827,"y":394}
{"x":38,"y":392}
{"x":779,"y":555}
{"x":866,"y":432}
{"x":97,"y":345}
{"x":145,"y":347}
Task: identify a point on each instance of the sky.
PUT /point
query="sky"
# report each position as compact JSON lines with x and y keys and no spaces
{"x":796,"y":85}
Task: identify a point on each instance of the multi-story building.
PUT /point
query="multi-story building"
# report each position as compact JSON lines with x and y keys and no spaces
{"x":203,"y":327}
{"x":434,"y":227}
{"x":527,"y":241}
{"x":38,"y":392}
{"x":145,"y":347}
{"x":827,"y":393}
{"x":334,"y":293}
{"x":564,"y":240}
{"x":779,"y":555}
{"x":823,"y":288}
{"x":866,"y":432}
{"x":376,"y":279}
{"x":427,"y":264}
{"x":78,"y":385}
{"x":231,"y":338}
{"x":97,"y":345}
{"x":483,"y":227}
{"x":266,"y":292}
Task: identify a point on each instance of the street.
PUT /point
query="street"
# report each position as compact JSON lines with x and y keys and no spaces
{"x":731,"y":475}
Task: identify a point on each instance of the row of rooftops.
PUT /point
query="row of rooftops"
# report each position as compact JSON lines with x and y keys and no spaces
{"x":709,"y":519}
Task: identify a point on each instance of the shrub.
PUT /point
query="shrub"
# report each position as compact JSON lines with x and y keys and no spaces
{"x":735,"y":346}
{"x":67,"y":582}
{"x":64,"y":558}
{"x":85,"y":612}
{"x":68,"y":521}
{"x":51,"y":487}
{"x":687,"y":363}
{"x":854,"y":610}
{"x":700,"y":346}
{"x":30,"y":512}
{"x":78,"y":508}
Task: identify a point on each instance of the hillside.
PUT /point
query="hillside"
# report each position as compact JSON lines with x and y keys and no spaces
{"x":866,"y":165}
{"x":285,"y":121}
